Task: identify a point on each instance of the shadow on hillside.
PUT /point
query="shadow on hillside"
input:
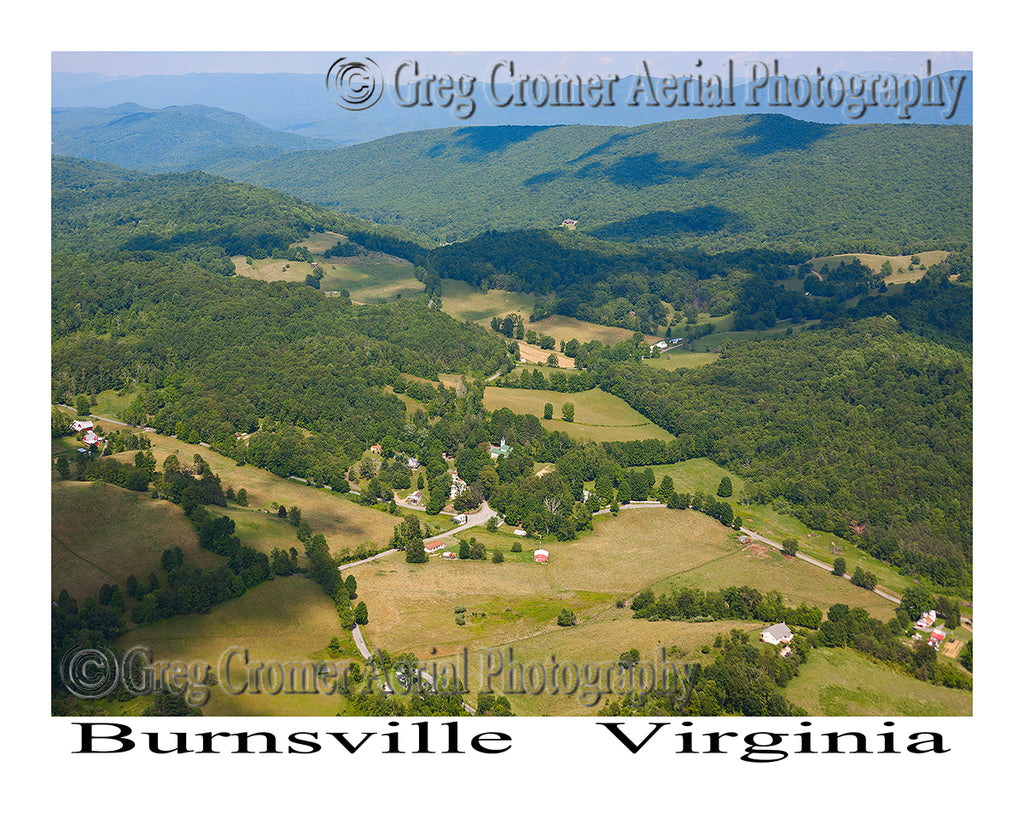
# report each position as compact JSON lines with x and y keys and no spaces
{"x":774,"y":132}
{"x":699,"y":220}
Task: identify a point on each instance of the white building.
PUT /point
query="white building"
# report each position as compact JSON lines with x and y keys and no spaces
{"x":779,"y":633}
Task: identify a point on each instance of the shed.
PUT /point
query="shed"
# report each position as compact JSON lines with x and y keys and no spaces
{"x":540,"y":556}
{"x":519,"y":532}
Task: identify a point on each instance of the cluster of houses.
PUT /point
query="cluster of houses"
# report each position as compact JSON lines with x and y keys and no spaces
{"x":90,"y":437}
{"x":936,"y":636}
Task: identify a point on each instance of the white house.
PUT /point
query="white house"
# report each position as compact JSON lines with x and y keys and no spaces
{"x":540,"y":556}
{"x":779,"y":633}
{"x":415,"y":497}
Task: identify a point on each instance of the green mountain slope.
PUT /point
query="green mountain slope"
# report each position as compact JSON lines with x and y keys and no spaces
{"x":721,"y":183}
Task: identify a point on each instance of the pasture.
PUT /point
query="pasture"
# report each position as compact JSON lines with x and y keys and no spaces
{"x":461,"y":300}
{"x":343,"y":523}
{"x":838,"y":682}
{"x":705,"y":475}
{"x":412,"y":605}
{"x":102,"y":534}
{"x":563,"y":328}
{"x":900,"y":264}
{"x":286,"y":620}
{"x":676,"y":359}
{"x":599,"y":415}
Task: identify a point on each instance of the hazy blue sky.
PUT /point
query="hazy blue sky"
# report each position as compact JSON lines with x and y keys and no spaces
{"x":133,"y":63}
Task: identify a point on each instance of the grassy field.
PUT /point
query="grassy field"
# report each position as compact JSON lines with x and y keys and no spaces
{"x":768,"y":569}
{"x":599,"y":415}
{"x":900,"y":264}
{"x":467,"y":303}
{"x":705,"y":475}
{"x":287,"y":620}
{"x":102,"y":534}
{"x":840,"y":682}
{"x":514,"y":605}
{"x":345,"y":524}
{"x":412,"y":606}
{"x":563,"y":328}
{"x":674,"y":359}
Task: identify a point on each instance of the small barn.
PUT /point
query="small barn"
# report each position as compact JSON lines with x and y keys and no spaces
{"x":540,"y":556}
{"x":519,"y":532}
{"x":779,"y":633}
{"x":81,"y":426}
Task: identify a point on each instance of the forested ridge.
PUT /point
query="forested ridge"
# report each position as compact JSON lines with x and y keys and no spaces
{"x":854,"y":423}
{"x":732,"y":182}
{"x":140,"y":300}
{"x":860,"y":421}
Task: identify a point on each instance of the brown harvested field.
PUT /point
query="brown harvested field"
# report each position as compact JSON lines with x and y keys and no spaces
{"x":532,"y":354}
{"x":287,"y":620}
{"x":102,"y":534}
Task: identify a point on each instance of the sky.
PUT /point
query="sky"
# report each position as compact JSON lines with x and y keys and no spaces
{"x":135,"y":63}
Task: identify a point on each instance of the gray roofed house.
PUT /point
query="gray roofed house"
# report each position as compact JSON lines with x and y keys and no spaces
{"x":779,"y":633}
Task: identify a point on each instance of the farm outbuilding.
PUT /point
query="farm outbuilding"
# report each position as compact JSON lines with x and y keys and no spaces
{"x":80,"y":426}
{"x":779,"y":633}
{"x":540,"y":556}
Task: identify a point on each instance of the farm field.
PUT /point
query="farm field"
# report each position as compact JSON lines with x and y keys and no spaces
{"x":102,"y":534}
{"x":768,"y":569}
{"x":840,"y":682}
{"x":286,"y":620}
{"x":599,"y":416}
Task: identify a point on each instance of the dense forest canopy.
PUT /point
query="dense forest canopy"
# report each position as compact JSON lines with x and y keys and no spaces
{"x":724,"y":183}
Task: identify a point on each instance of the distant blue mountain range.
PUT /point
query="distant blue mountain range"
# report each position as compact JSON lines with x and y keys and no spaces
{"x":303,"y":105}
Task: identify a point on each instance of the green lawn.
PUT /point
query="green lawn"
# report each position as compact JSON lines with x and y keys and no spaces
{"x":839,"y":682}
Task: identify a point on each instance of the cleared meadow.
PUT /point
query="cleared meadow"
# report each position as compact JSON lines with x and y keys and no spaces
{"x":102,"y":534}
{"x":599,"y":415}
{"x":838,"y":682}
{"x":286,"y":620}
